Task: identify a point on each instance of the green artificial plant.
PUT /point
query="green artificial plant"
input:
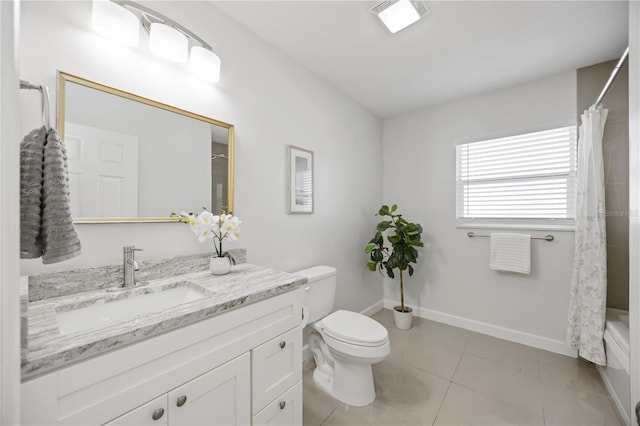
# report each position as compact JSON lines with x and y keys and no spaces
{"x":403,"y":238}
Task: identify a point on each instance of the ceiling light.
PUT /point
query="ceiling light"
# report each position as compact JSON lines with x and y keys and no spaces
{"x":399,"y":14}
{"x":168,"y":42}
{"x":205,"y":64}
{"x":115,"y":22}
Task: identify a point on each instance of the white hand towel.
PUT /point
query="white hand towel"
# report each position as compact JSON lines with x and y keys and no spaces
{"x":510,"y":252}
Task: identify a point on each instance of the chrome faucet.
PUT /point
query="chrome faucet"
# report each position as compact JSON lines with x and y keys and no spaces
{"x":130,"y":265}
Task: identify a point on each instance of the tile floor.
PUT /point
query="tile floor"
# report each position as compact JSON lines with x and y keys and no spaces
{"x":442,"y":375}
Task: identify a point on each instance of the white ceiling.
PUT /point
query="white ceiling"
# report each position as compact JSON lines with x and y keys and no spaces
{"x":459,"y":49}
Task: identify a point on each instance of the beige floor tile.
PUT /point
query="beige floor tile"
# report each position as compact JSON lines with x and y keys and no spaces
{"x":571,"y":374}
{"x":375,"y":415}
{"x":503,"y":351}
{"x":409,"y":390}
{"x":563,"y":407}
{"x":554,"y":358}
{"x":464,"y":406}
{"x":384,"y":317}
{"x":428,"y":346}
{"x":454,"y":335}
{"x":496,"y":382}
{"x":428,"y":354}
{"x":442,"y":334}
{"x":317,"y":405}
{"x":511,"y":384}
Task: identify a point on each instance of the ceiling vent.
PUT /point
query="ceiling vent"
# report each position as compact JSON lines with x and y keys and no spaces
{"x":399,"y":14}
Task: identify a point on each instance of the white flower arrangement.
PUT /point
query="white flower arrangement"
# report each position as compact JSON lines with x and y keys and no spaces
{"x":208,"y":226}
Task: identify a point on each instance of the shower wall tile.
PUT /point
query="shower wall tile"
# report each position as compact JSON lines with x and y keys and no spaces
{"x":615,"y":146}
{"x":618,"y":231}
{"x":618,"y":277}
{"x":617,"y":100}
{"x":617,"y":199}
{"x":590,"y":81}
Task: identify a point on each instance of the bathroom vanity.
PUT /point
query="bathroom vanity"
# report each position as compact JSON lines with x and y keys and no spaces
{"x":231,"y":356}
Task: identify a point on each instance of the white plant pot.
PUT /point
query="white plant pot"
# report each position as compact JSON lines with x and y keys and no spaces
{"x":219,"y":265}
{"x":403,"y":320}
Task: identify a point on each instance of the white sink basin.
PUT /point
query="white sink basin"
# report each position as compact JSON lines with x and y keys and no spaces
{"x":105,"y":312}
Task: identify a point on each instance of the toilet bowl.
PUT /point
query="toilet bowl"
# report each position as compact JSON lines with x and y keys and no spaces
{"x":344,"y":344}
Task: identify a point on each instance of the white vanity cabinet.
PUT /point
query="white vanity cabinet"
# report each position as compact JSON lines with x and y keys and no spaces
{"x":219,"y":397}
{"x":277,"y":380}
{"x":240,"y":367}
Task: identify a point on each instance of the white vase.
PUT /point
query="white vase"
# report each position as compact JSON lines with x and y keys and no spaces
{"x":219,"y":265}
{"x":404,"y":319}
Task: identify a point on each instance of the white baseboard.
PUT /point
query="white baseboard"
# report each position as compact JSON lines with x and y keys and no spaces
{"x":540,"y":342}
{"x":368,"y":311}
{"x":372,"y":309}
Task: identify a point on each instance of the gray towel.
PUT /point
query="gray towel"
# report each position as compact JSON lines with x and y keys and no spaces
{"x":46,"y":226}
{"x":59,"y":236}
{"x":31,"y":163}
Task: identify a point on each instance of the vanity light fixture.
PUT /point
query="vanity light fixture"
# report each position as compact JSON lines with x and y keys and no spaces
{"x":115,"y":22}
{"x":168,"y":43}
{"x":205,"y":64}
{"x":167,"y":38}
{"x":399,"y":14}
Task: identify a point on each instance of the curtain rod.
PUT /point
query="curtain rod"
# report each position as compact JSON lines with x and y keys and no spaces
{"x":612,"y":77}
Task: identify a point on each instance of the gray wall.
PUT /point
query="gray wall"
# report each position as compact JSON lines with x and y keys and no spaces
{"x":453,"y":282}
{"x":272,"y":101}
{"x":590,"y":81}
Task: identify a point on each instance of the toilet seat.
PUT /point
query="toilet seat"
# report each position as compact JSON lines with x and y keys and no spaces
{"x":354,"y":329}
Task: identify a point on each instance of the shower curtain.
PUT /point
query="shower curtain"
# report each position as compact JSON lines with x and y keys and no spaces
{"x":588,"y":294}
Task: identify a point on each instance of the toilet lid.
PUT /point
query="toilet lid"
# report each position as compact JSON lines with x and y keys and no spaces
{"x":354,"y":328}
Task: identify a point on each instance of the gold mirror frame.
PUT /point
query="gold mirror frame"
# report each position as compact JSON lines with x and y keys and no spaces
{"x":63,"y":78}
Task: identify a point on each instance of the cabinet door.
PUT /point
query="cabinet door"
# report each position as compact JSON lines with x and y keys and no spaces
{"x":220,"y":397}
{"x":276,"y":366}
{"x":152,"y":413}
{"x":286,"y":410}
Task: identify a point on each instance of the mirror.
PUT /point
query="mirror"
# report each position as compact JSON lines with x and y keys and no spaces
{"x":132,"y":159}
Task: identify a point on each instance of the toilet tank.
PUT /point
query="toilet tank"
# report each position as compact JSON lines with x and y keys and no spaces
{"x":319,"y":292}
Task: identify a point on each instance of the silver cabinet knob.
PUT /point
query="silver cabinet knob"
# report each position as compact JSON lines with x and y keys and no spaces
{"x":283,"y":344}
{"x":282,"y":405}
{"x":181,"y":400}
{"x":158,"y":414}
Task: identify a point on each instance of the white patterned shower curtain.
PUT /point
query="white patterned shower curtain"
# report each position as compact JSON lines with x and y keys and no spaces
{"x":588,"y":295}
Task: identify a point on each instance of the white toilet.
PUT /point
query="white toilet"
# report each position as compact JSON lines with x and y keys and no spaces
{"x":344,"y":344}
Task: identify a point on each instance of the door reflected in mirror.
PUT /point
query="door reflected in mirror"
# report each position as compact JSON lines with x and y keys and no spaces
{"x":132,"y":159}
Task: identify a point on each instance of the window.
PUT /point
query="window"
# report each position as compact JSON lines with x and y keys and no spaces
{"x":522,"y":180}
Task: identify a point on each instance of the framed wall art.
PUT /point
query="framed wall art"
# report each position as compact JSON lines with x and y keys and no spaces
{"x":300,"y":180}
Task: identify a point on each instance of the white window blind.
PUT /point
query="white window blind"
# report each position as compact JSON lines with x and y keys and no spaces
{"x":528,"y":178}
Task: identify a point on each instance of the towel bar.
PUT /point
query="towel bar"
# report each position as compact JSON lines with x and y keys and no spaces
{"x":44,"y":91}
{"x":548,"y":237}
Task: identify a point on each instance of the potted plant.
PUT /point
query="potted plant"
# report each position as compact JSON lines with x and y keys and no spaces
{"x":208,"y":226}
{"x":403,"y":238}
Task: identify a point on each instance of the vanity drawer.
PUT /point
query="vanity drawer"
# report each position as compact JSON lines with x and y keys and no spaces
{"x":285,"y":410}
{"x":276,"y":366}
{"x":152,"y":413}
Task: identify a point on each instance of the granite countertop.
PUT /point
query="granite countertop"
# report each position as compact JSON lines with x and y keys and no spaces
{"x":49,"y":349}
